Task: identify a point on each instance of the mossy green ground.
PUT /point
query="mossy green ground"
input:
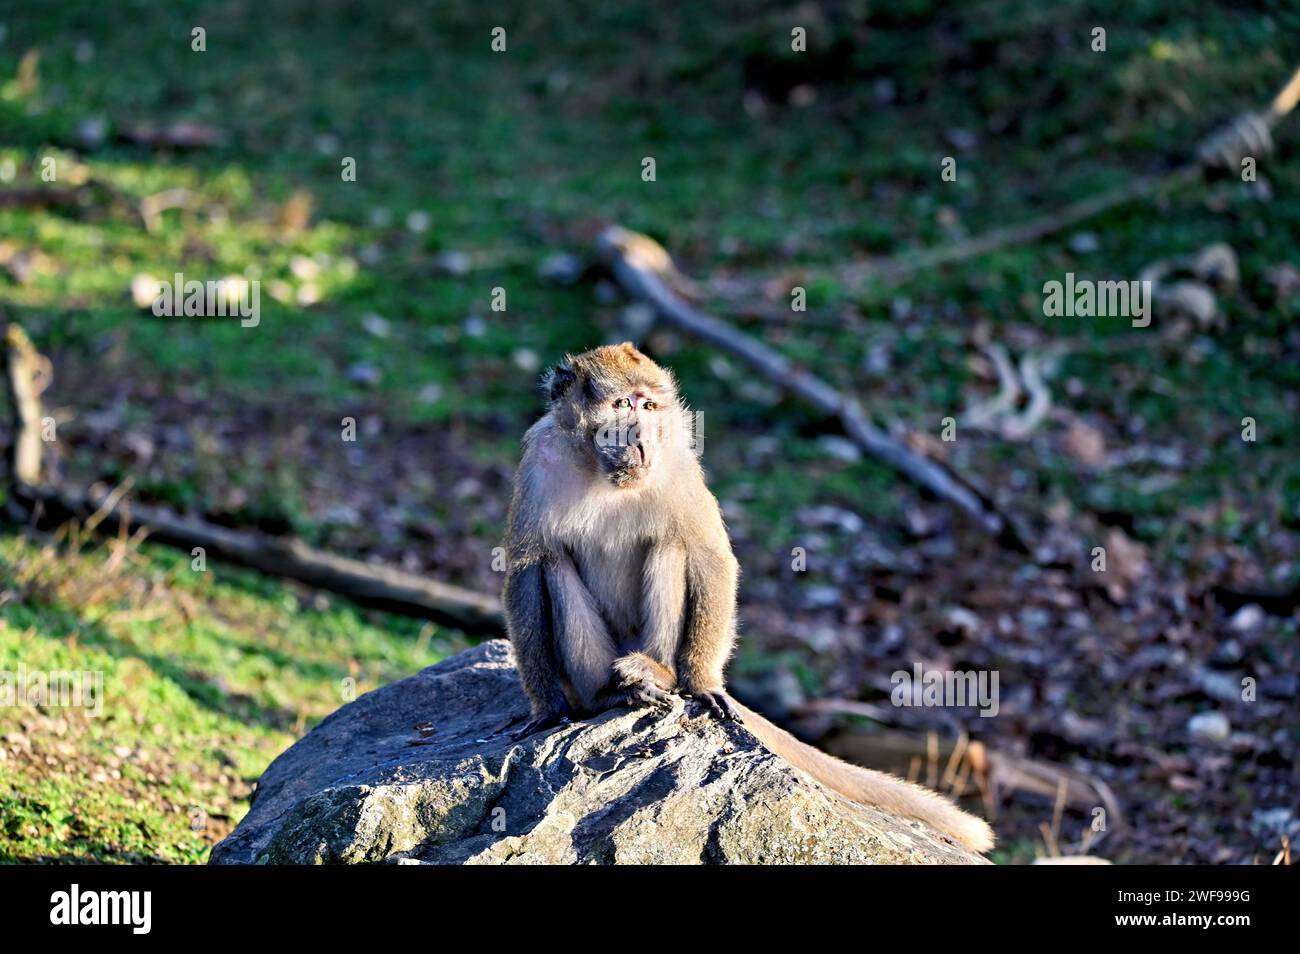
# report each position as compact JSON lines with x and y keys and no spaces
{"x":507,"y":157}
{"x":206,"y":676}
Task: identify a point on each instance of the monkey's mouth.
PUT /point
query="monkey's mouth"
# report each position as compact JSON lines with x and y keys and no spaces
{"x":631,"y":468}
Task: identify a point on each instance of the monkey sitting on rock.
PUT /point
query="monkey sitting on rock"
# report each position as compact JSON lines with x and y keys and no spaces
{"x":621,"y":583}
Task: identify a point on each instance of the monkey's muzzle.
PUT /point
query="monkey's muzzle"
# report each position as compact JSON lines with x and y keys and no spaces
{"x":626,"y":455}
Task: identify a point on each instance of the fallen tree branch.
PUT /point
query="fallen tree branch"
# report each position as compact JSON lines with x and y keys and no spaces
{"x":1248,"y":134}
{"x":378,"y":586}
{"x":79,"y":198}
{"x":636,"y":262}
{"x":26,"y":376}
{"x":894,"y":750}
{"x":895,"y":269}
{"x":24,"y":198}
{"x":111,"y":513}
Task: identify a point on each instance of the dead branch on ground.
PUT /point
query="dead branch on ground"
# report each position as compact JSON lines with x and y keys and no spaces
{"x":637,"y":263}
{"x":113,"y":513}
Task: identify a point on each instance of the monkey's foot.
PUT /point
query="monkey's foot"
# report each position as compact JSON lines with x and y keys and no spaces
{"x":639,"y":693}
{"x":718,"y":703}
{"x":549,"y":721}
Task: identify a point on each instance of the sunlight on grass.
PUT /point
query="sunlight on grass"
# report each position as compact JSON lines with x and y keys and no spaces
{"x":206,"y":677}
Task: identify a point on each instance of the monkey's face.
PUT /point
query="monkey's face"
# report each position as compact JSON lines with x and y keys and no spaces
{"x":620,"y":409}
{"x":627,"y":435}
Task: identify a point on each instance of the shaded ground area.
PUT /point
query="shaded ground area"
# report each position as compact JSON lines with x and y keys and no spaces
{"x":473,"y":168}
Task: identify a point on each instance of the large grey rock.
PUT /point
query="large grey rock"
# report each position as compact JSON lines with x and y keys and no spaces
{"x":427,"y":770}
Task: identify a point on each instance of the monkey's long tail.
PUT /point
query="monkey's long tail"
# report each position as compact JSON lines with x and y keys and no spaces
{"x":870,"y":787}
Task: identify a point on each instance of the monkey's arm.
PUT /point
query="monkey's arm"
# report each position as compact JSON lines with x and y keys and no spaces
{"x":712,"y":575}
{"x":663,"y":602}
{"x":529,"y":622}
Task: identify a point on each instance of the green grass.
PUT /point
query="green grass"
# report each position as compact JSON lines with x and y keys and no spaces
{"x":206,"y":676}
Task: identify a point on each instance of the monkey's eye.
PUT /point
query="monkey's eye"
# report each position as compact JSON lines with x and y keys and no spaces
{"x":622,"y":403}
{"x":649,"y":406}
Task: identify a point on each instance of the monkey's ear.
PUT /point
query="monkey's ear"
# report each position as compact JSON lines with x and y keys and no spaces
{"x":556,"y":380}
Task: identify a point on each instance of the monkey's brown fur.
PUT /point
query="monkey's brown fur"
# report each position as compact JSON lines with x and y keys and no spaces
{"x":621,"y":583}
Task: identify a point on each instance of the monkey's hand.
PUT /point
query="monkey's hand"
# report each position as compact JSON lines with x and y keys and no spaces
{"x":717,"y":702}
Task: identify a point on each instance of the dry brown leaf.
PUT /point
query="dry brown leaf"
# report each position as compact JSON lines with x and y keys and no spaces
{"x":1084,"y":443}
{"x":295,"y":214}
{"x":1126,"y":563}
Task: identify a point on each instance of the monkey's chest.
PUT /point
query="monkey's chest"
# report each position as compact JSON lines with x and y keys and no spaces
{"x":614,"y":578}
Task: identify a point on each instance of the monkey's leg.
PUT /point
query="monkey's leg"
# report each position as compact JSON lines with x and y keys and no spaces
{"x":710,"y":632}
{"x":543,"y":723}
{"x":529,"y":618}
{"x":585,"y":648}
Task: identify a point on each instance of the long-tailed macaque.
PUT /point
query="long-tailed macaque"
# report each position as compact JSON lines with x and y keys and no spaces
{"x":621,"y":583}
